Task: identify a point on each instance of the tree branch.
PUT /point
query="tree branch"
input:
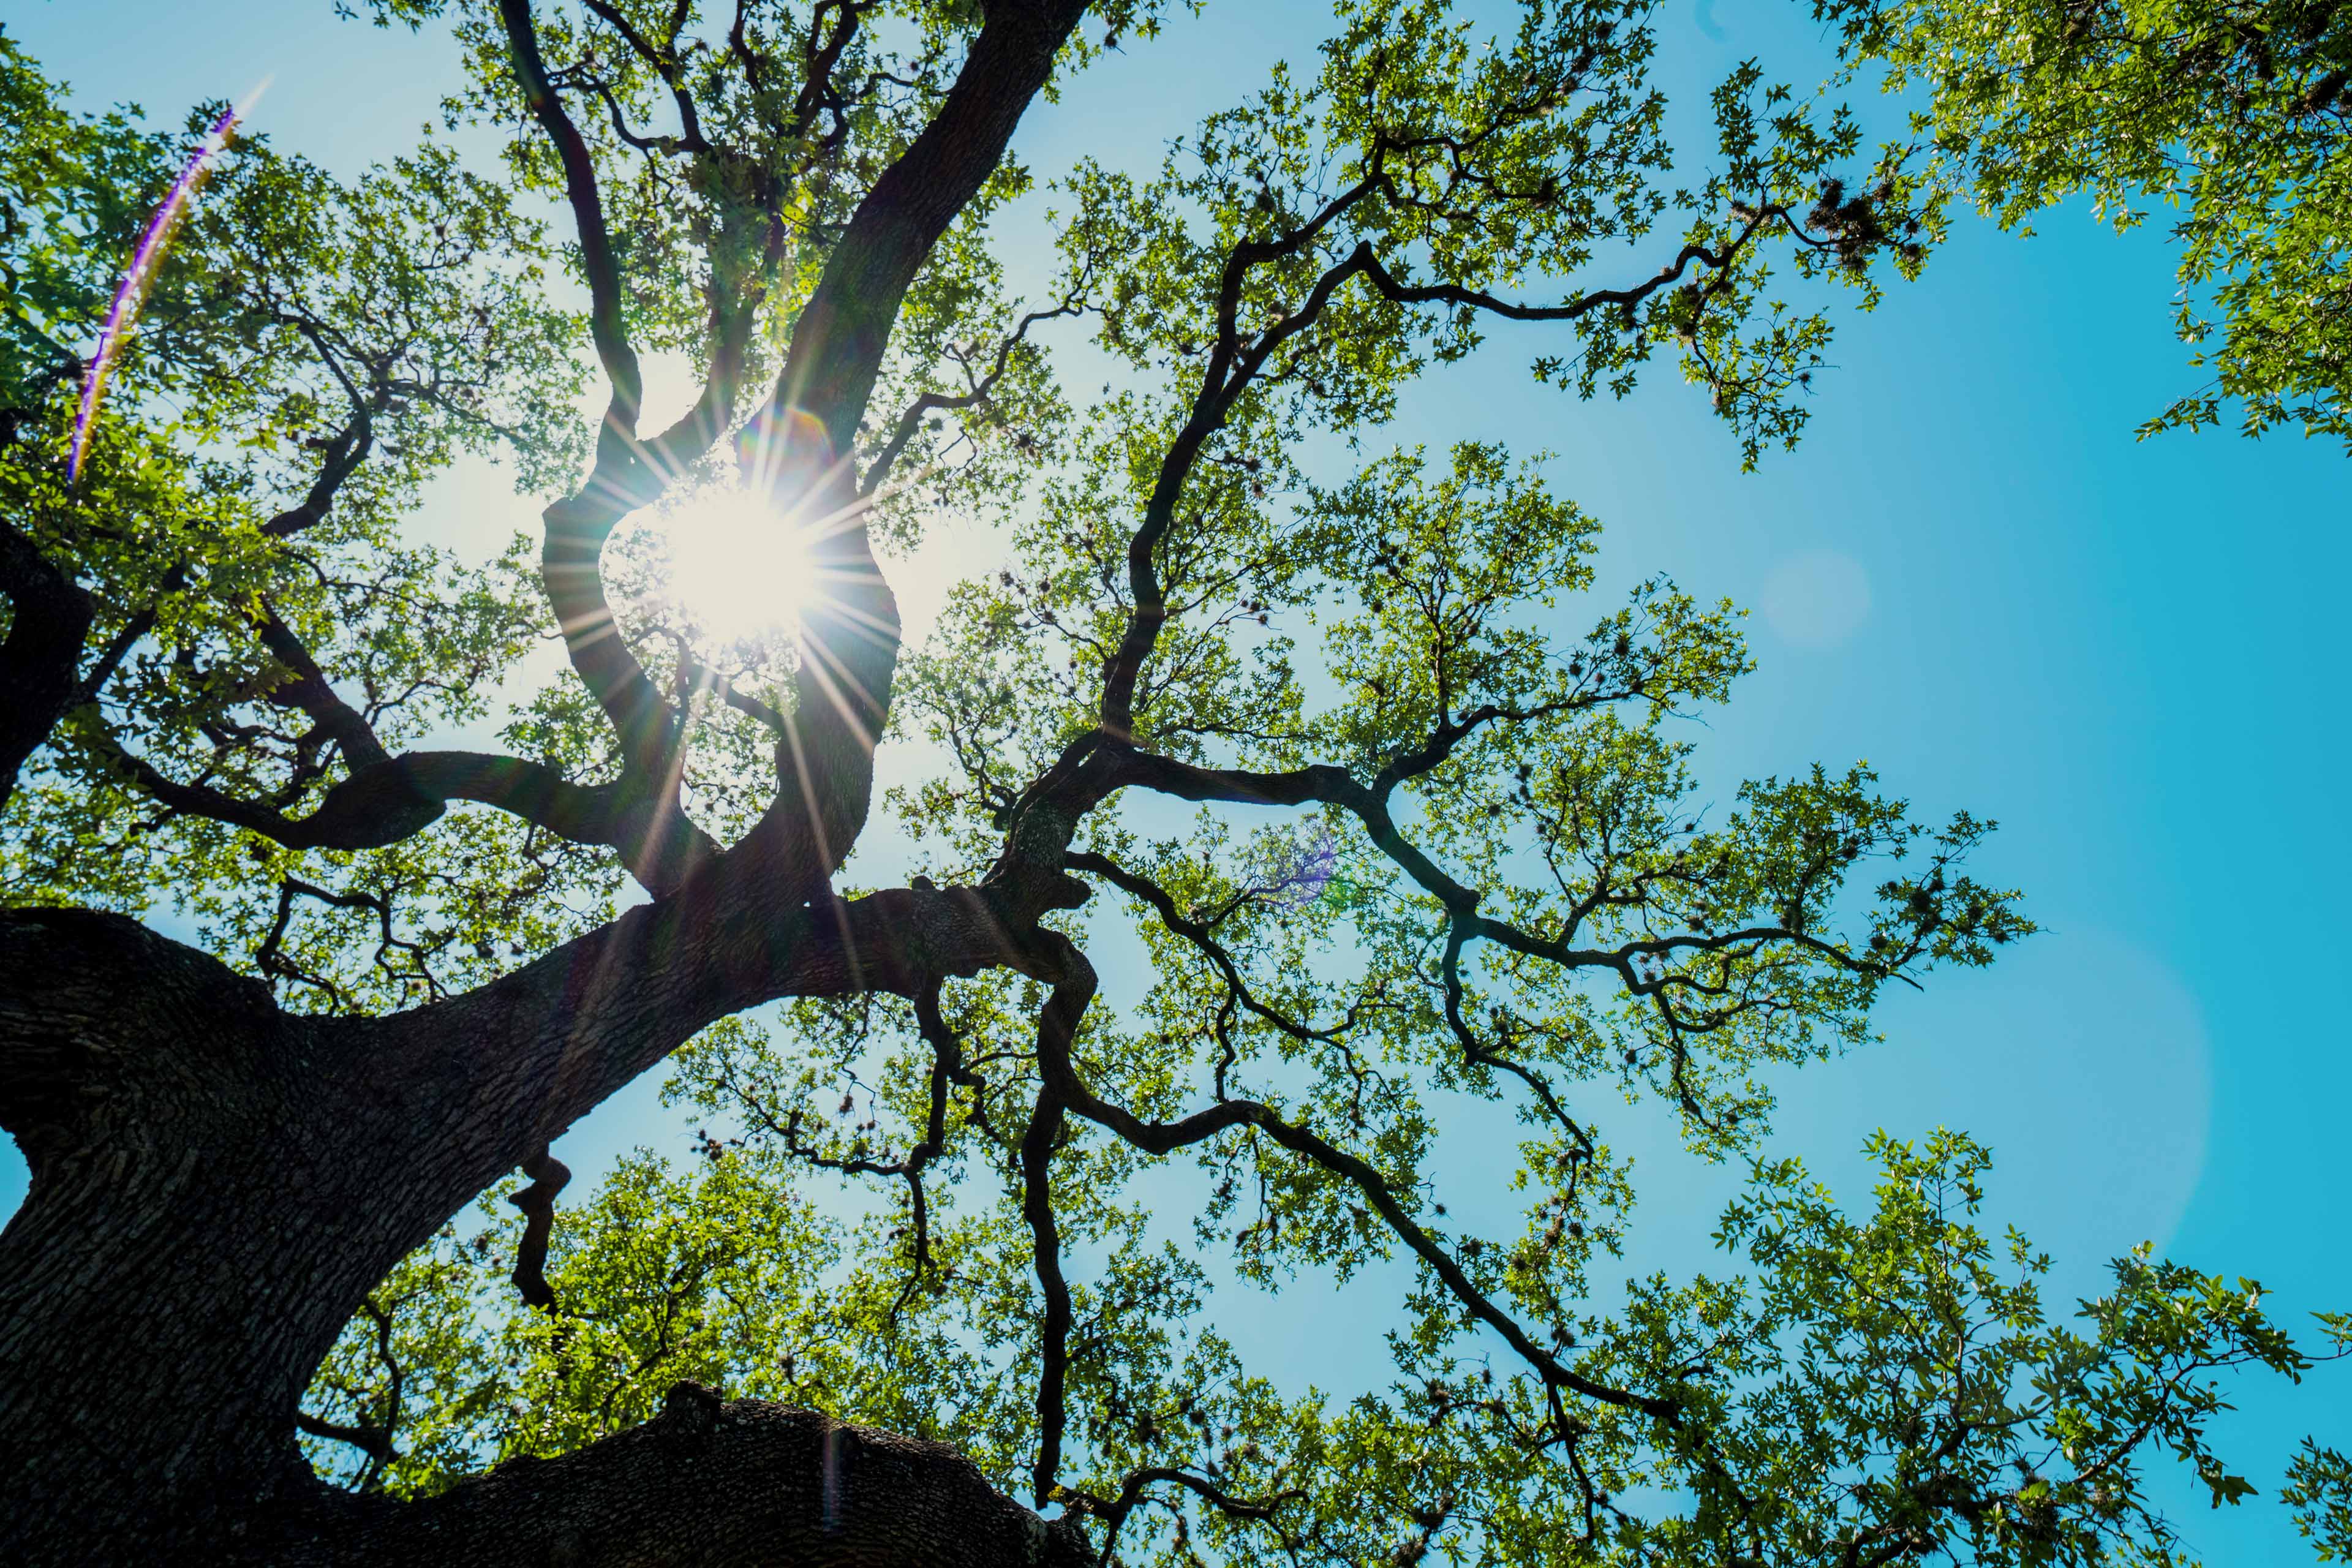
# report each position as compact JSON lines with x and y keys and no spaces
{"x":548,"y":1176}
{"x":1114,"y":1512}
{"x":1235,"y":362}
{"x":849,"y":636}
{"x":1063,"y":1083}
{"x":605,"y":326}
{"x":663,"y":59}
{"x":40,"y":659}
{"x":911,"y":421}
{"x":372,"y":1441}
{"x":1054,"y":1322}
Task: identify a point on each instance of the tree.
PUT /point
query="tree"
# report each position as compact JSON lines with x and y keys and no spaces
{"x":2234,"y":112}
{"x":1444,"y":852}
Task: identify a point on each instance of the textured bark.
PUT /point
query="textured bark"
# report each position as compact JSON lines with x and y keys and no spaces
{"x":164,"y":1290}
{"x":217,"y":1184}
{"x":712,"y":1484}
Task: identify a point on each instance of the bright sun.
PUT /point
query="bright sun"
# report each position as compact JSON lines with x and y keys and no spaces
{"x":739,"y":566}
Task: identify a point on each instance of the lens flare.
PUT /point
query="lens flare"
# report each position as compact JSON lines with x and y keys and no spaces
{"x":736,"y":565}
{"x":747,"y":559}
{"x":785,"y":446}
{"x":1301,"y":880}
{"x":144,"y":261}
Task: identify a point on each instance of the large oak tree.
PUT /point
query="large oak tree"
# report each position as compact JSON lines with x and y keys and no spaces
{"x":1307,"y":745}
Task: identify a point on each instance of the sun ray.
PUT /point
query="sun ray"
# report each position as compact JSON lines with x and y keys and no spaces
{"x":740,"y":569}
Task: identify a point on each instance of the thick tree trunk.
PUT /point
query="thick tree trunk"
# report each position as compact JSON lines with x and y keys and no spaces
{"x":217,"y":1184}
{"x":165,"y":1289}
{"x":713,"y":1483}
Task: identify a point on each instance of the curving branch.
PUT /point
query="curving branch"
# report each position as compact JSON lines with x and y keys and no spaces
{"x":605,"y":326}
{"x":662,"y":56}
{"x":1058,"y":1027}
{"x":548,"y":1176}
{"x":1331,"y":785}
{"x":1067,"y":1091}
{"x":1236,"y":359}
{"x":1054,"y":1322}
{"x":821,"y":53}
{"x":947,"y":1067}
{"x":1477,"y":1053}
{"x":1135,"y":1488}
{"x":976,"y":390}
{"x":270,"y":956}
{"x":310,"y":692}
{"x":1162,"y":903}
{"x":397,"y":797}
{"x":849,"y":636}
{"x":347,"y":450}
{"x":372,"y":1441}
{"x":40,"y":659}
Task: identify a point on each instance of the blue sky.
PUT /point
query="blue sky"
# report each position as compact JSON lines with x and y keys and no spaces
{"x":1971,"y":574}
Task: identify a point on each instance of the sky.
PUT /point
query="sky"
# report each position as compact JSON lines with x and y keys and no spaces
{"x":1971,"y":574}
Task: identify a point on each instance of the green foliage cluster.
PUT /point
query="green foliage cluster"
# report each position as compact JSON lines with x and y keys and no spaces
{"x":305,"y":342}
{"x":2319,"y":1489}
{"x":2234,"y":114}
{"x":1879,"y":1388}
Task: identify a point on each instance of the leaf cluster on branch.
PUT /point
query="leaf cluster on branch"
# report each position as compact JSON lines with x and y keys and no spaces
{"x":2234,"y":114}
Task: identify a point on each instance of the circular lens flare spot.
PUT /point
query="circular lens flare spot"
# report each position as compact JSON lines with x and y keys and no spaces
{"x":739,"y":566}
{"x":1817,"y":600}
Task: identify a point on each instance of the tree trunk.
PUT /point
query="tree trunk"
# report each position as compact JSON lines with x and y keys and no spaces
{"x":713,"y":1482}
{"x":217,"y":1186}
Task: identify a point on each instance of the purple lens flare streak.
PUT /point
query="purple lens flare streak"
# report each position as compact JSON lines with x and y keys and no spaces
{"x":143,"y":262}
{"x":1302,"y":881}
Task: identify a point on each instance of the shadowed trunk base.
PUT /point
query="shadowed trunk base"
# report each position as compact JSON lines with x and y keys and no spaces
{"x":708,"y":1483}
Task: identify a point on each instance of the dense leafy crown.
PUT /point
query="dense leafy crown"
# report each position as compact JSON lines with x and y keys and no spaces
{"x":2236,"y":114}
{"x":1312,"y":745}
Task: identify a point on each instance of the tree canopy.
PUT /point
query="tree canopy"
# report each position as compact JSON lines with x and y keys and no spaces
{"x":2234,"y":114}
{"x":1279,"y":793}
